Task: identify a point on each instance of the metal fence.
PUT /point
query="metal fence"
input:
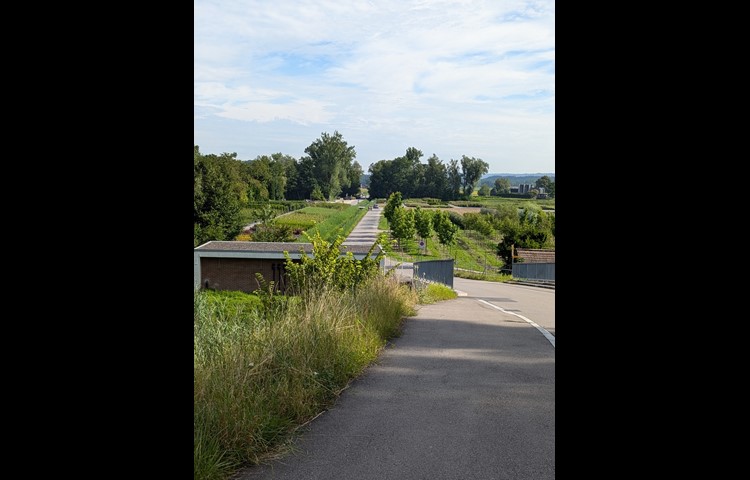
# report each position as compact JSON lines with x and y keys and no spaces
{"x":534,"y":271}
{"x":435,"y":271}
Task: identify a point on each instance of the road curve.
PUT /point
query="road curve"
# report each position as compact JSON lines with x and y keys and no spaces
{"x":535,"y":303}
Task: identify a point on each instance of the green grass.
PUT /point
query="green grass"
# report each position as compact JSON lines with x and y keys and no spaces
{"x":383,"y":223}
{"x":261,"y":372}
{"x":436,"y":292}
{"x":330,"y":219}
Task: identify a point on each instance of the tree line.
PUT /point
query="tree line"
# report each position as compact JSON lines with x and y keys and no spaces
{"x":406,"y":174}
{"x":223,"y":185}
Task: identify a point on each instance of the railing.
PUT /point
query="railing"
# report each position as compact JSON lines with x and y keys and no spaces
{"x":440,"y":271}
{"x":534,"y":271}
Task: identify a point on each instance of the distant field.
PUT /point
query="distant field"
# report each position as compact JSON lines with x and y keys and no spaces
{"x":490,"y":202}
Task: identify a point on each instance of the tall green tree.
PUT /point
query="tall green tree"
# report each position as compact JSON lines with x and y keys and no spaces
{"x":548,"y":185}
{"x":445,"y":229}
{"x":454,"y":180}
{"x":472,"y":170}
{"x":305,"y":180}
{"x":287,"y":166}
{"x":381,"y":179}
{"x":502,"y":185}
{"x":423,"y":222}
{"x":436,"y":178}
{"x":394,"y":201}
{"x":353,"y":175}
{"x":256,"y":174}
{"x":402,"y":224}
{"x":218,"y":196}
{"x":331,"y":159}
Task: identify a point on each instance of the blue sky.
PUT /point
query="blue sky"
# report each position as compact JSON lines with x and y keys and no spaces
{"x":449,"y":78}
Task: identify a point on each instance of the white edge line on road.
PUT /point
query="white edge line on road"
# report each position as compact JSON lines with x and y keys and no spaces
{"x":546,"y":334}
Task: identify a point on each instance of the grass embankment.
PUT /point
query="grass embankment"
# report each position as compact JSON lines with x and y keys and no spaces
{"x":263,"y":367}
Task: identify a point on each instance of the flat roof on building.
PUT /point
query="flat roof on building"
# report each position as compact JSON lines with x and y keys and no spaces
{"x":275,"y":247}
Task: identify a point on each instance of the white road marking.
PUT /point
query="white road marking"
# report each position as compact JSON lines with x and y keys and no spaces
{"x":546,"y":334}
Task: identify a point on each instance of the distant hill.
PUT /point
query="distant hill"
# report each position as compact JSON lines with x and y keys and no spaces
{"x":515,"y":178}
{"x":365,"y":179}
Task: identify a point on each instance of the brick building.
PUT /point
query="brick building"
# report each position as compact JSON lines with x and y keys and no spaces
{"x":225,"y":265}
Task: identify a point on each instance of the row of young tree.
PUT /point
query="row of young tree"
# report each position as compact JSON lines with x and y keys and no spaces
{"x":529,"y":227}
{"x":406,"y":174}
{"x":405,"y":223}
{"x":223,"y":185}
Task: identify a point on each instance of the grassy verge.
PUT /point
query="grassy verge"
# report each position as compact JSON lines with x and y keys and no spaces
{"x":436,"y":292}
{"x":263,"y":367}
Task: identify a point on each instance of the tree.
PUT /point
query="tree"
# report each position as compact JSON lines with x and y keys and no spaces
{"x":289,"y":168}
{"x":479,"y":223}
{"x":548,"y":185}
{"x":472,"y":170}
{"x":394,"y":201}
{"x":402,"y":225}
{"x":331,"y":160}
{"x":436,"y":178}
{"x":317,"y":194}
{"x":353,"y":176}
{"x":484,"y":191}
{"x":304,"y":180}
{"x":218,"y":196}
{"x":423,"y":222}
{"x":454,"y":180}
{"x":445,"y":229}
{"x":502,"y":185}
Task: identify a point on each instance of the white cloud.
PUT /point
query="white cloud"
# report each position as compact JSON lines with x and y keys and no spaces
{"x":442,"y":76}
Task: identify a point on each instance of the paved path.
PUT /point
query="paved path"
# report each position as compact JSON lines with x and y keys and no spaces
{"x":466,"y":392}
{"x":366,"y":232}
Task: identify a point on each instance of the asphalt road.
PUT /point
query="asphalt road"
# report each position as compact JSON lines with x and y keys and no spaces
{"x":534,"y":303}
{"x":466,"y":392}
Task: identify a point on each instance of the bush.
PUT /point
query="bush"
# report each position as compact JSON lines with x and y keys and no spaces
{"x":457,"y":219}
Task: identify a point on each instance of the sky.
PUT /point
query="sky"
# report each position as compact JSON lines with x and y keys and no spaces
{"x":448,"y":77}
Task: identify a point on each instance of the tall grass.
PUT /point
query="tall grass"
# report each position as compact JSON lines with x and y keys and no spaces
{"x":264,"y":366}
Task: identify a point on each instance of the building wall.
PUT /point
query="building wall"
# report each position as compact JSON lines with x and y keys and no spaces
{"x":238,"y":273}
